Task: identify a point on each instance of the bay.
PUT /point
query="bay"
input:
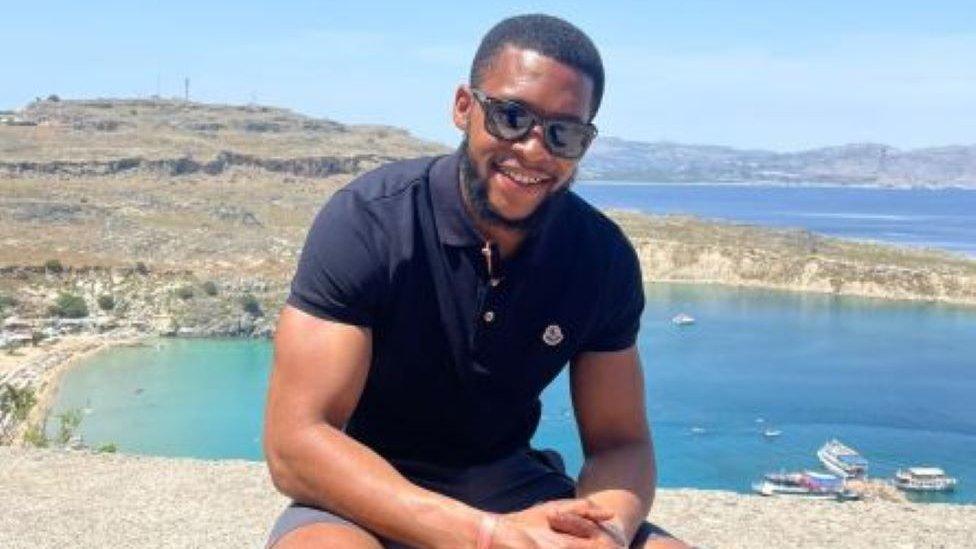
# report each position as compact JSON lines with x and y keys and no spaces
{"x":935,"y":218}
{"x":893,"y":379}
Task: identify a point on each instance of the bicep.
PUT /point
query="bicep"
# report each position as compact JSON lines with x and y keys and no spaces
{"x":319,"y":371}
{"x":608,"y":397}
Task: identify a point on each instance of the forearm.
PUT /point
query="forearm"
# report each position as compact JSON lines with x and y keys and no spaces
{"x":621,"y":478}
{"x":322,"y":466}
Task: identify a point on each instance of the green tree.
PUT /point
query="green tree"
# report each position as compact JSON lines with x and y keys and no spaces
{"x":53,"y":266}
{"x":210,"y":288}
{"x":68,"y":423}
{"x":250,"y":305}
{"x":106,"y":302}
{"x":185,"y":292}
{"x":69,"y":306}
{"x":6,"y":303}
{"x":34,"y":436}
{"x":17,"y":402}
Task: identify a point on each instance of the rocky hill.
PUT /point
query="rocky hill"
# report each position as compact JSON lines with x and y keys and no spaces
{"x":156,"y":203}
{"x":860,"y":164}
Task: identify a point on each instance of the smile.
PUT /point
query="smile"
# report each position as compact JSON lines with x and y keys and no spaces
{"x":522,"y":178}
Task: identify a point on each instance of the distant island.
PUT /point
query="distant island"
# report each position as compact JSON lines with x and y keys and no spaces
{"x":865,"y":164}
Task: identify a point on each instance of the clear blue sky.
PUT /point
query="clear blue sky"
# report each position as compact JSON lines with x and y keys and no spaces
{"x":782,"y":75}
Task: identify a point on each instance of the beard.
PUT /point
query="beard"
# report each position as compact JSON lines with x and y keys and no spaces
{"x":476,"y":191}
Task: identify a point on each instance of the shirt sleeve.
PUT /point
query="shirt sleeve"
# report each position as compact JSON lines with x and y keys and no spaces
{"x":339,"y":275}
{"x":621,"y":305}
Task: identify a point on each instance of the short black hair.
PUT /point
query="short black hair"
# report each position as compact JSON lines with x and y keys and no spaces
{"x":548,"y":35}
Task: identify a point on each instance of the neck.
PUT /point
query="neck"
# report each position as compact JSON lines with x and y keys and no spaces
{"x":508,"y":240}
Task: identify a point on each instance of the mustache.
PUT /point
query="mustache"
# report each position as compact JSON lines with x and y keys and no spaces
{"x":476,"y":189}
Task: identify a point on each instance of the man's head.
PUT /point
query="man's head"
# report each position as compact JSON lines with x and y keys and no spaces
{"x":551,"y":74}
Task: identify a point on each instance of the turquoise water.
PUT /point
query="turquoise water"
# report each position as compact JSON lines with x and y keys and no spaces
{"x":895,"y":380}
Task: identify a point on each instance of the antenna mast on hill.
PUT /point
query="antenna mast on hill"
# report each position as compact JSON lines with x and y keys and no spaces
{"x":186,"y":89}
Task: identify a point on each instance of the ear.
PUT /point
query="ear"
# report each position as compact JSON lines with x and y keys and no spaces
{"x":463,"y":103}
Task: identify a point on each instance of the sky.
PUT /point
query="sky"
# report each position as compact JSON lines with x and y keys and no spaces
{"x":778,"y":75}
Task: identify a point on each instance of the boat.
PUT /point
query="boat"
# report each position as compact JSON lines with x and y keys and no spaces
{"x":683,"y":319}
{"x":696,"y":430}
{"x":842,"y":460}
{"x":771,"y":433}
{"x":808,"y":484}
{"x":924,"y":479}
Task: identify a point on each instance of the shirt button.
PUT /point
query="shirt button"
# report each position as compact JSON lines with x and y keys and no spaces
{"x":489,"y":316}
{"x":494,"y":282}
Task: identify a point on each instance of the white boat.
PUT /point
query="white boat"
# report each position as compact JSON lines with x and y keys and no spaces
{"x":771,"y":433}
{"x":807,"y":484}
{"x":842,"y":460}
{"x":683,"y":319}
{"x":924,"y":479}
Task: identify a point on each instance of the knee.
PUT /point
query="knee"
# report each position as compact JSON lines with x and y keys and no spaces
{"x":328,"y":535}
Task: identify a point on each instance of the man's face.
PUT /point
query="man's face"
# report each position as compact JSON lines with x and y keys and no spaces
{"x":514,"y":178}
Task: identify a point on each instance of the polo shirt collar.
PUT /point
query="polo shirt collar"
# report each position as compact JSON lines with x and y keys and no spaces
{"x":454,"y":226}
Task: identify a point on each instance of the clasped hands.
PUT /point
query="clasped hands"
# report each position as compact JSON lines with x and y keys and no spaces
{"x":560,"y":524}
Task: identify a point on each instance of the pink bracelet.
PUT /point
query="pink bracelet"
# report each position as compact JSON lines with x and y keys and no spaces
{"x":485,"y":530}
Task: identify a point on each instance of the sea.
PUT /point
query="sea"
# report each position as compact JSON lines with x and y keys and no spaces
{"x":892,"y":379}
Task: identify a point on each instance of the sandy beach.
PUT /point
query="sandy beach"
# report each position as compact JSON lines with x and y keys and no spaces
{"x":41,"y":368}
{"x":73,"y":499}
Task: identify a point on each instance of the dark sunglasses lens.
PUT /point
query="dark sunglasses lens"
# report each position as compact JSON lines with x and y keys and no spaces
{"x":567,"y":139}
{"x":511,"y":120}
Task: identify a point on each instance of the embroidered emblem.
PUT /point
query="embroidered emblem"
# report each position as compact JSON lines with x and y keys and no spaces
{"x":553,"y":335}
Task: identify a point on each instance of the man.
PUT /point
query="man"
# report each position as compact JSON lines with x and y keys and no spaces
{"x":433,"y":302}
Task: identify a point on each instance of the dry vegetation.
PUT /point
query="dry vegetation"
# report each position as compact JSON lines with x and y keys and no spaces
{"x":227,"y":193}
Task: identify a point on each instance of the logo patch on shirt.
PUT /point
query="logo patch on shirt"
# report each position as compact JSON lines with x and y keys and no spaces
{"x":553,"y":335}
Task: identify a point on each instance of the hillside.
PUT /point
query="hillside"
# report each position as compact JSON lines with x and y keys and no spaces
{"x":148,"y":201}
{"x":858,"y":164}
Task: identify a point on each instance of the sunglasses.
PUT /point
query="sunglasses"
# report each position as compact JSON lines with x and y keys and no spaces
{"x":512,"y":121}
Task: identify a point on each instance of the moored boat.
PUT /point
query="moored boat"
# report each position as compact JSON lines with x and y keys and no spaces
{"x":683,"y":319}
{"x":807,"y":484}
{"x":924,"y":479}
{"x":842,"y":460}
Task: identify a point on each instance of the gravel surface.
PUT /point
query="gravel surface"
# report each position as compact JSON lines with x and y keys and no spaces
{"x":72,"y":499}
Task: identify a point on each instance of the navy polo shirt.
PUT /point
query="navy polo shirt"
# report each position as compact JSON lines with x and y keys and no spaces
{"x":460,"y":355}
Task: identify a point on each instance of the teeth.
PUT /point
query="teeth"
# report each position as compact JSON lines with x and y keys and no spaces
{"x":522,"y":178}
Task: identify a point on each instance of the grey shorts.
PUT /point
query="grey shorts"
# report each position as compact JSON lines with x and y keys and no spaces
{"x":511,"y":484}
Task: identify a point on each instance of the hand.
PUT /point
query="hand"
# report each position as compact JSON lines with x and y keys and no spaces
{"x":562,"y":524}
{"x":584,"y":519}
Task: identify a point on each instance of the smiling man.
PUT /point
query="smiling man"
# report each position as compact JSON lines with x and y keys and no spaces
{"x":435,"y":299}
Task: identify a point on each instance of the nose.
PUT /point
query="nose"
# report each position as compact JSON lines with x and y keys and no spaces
{"x":532,"y":147}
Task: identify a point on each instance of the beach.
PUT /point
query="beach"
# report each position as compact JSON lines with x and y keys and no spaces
{"x":40,"y":368}
{"x":53,"y":498}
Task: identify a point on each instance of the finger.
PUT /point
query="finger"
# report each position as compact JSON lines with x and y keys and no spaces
{"x":572,"y":524}
{"x":587,"y":509}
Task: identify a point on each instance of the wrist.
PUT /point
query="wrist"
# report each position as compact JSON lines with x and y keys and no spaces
{"x":486,"y":531}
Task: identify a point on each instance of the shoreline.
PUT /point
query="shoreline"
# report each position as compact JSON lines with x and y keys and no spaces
{"x":179,"y":502}
{"x":45,"y":367}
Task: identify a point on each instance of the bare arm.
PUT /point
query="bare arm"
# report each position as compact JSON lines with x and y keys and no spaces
{"x":319,"y":373}
{"x":619,"y":470}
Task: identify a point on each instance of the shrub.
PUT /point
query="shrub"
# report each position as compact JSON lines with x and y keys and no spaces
{"x":69,"y":306}
{"x":106,"y":302}
{"x":68,"y":424}
{"x":34,"y":436}
{"x":184,"y":292}
{"x":54,"y":98}
{"x":6,"y":302}
{"x":109,"y":448}
{"x":17,"y":402}
{"x":53,"y":266}
{"x":141,"y":268}
{"x":250,"y":305}
{"x":210,"y":288}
